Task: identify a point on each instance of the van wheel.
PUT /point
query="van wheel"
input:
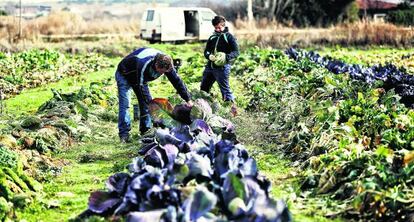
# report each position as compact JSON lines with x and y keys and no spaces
{"x":152,"y":41}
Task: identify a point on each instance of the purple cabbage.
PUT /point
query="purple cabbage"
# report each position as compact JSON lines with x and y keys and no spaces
{"x":101,"y":202}
{"x":154,"y":157}
{"x":199,"y":166}
{"x":182,"y":133}
{"x":148,"y":216}
{"x":199,"y":203}
{"x":226,"y":177}
{"x":181,"y":113}
{"x":199,"y":125}
{"x":118,"y":183}
{"x":391,"y":76}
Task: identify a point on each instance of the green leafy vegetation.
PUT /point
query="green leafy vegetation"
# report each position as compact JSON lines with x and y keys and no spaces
{"x":330,"y":145}
{"x":37,"y":67}
{"x":350,"y":137}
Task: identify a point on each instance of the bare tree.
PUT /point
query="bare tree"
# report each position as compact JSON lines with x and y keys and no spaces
{"x":250,"y":10}
{"x":272,"y":9}
{"x":20,"y":19}
{"x":280,"y":6}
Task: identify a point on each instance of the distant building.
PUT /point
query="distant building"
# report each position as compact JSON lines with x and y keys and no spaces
{"x":379,"y":4}
{"x":29,"y":11}
{"x":110,"y":10}
{"x":376,"y":4}
{"x":378,"y":9}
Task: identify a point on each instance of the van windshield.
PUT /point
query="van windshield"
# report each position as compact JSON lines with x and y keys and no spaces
{"x":150,"y":15}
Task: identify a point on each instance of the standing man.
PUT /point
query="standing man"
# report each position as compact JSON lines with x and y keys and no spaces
{"x":221,"y":49}
{"x":135,"y":71}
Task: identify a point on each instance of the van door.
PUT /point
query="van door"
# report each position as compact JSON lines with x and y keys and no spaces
{"x":151,"y":26}
{"x":192,"y":24}
{"x":172,"y":24}
{"x":206,"y":28}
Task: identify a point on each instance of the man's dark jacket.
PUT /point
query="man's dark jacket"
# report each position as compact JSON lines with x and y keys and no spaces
{"x":221,"y":42}
{"x":139,"y":69}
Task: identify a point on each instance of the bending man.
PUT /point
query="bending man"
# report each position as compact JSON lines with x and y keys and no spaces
{"x":135,"y":71}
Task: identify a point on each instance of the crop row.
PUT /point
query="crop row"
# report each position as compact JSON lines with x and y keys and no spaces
{"x":351,"y":137}
{"x":37,"y":67}
{"x":27,"y":142}
{"x":400,"y":58}
{"x":192,"y":168}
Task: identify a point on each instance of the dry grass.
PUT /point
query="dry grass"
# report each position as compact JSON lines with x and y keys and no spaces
{"x":263,"y":23}
{"x":377,"y":33}
{"x":262,"y":32}
{"x":8,"y":28}
{"x":359,"y":33}
{"x":271,"y":33}
{"x":64,"y":23}
{"x":113,"y":26}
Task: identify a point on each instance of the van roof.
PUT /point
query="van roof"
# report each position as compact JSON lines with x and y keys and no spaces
{"x":180,"y":8}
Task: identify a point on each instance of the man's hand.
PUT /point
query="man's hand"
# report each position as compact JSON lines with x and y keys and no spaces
{"x":189,"y":103}
{"x":212,"y":58}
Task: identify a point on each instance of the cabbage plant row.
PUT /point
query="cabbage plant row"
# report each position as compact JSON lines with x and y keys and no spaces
{"x":402,"y":58}
{"x":189,"y":171}
{"x":391,"y":76}
{"x":35,"y":67}
{"x":352,"y":139}
{"x":27,"y":142}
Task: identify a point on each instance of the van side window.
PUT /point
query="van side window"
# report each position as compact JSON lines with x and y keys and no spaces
{"x":206,"y":16}
{"x":150,"y":15}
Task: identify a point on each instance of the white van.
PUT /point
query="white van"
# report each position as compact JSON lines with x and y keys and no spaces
{"x":176,"y":24}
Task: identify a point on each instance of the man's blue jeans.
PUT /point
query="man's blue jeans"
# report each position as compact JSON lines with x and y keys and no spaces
{"x":221,"y":75}
{"x":144,"y":97}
